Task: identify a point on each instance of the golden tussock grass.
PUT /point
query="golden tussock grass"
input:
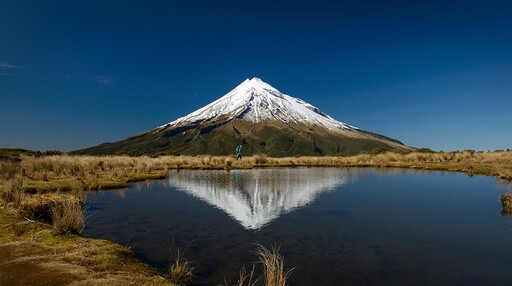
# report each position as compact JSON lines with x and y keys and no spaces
{"x":274,"y":272}
{"x":13,"y":193}
{"x":506,"y":203}
{"x":9,"y":169}
{"x":246,"y":279}
{"x":180,"y":269}
{"x":68,"y":216}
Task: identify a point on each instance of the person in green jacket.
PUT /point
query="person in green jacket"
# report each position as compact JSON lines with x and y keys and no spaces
{"x":239,"y":152}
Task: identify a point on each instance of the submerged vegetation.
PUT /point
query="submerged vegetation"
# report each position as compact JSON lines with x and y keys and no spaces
{"x":42,"y":207}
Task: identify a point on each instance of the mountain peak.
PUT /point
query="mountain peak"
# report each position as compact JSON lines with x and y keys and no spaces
{"x":254,"y":79}
{"x":255,"y":100}
{"x":254,"y":83}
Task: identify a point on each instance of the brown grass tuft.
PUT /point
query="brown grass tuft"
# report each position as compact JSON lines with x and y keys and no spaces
{"x":68,"y":216}
{"x":246,"y":279}
{"x":506,"y":203}
{"x":260,"y":160}
{"x":180,"y":270}
{"x":274,"y":273}
{"x":13,"y":194}
{"x":9,"y":169}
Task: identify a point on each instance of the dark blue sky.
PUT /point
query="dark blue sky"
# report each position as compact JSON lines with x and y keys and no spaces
{"x":434,"y":74}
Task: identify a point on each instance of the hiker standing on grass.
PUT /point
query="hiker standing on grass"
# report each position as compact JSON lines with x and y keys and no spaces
{"x":239,"y":152}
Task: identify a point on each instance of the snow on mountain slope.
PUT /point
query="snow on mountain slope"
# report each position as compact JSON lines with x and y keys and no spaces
{"x":255,"y":100}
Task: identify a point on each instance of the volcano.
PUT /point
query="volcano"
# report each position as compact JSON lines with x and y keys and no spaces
{"x":262,"y":119}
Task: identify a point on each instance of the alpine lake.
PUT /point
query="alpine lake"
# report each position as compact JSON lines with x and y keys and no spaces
{"x":334,"y":226}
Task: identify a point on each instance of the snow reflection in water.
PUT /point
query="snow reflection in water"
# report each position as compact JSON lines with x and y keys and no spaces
{"x":256,"y":197}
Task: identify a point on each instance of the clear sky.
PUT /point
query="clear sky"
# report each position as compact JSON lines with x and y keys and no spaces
{"x":435,"y":74}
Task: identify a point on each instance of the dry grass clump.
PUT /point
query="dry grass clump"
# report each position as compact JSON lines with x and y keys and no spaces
{"x":229,"y":163}
{"x":13,"y":194}
{"x":68,"y":216}
{"x":504,"y":172}
{"x":9,"y":169}
{"x":82,"y":168}
{"x":506,"y":203}
{"x":246,"y":279}
{"x":260,"y":160}
{"x":180,"y":270}
{"x":274,"y":273}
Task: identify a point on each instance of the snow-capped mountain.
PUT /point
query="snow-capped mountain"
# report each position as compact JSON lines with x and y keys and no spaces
{"x":255,"y":100}
{"x":260,"y":117}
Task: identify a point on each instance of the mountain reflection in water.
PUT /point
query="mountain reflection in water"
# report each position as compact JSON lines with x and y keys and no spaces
{"x":337,"y":226}
{"x":256,"y":197}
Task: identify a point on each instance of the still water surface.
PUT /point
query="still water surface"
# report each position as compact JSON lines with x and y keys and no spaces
{"x":336,"y":226}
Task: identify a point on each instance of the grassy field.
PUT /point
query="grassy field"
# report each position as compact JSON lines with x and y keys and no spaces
{"x":42,"y":208}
